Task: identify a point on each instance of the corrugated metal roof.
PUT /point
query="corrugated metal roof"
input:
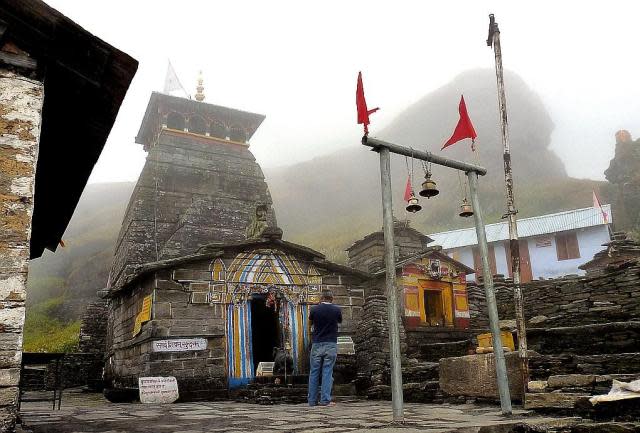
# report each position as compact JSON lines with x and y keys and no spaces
{"x":527,"y":227}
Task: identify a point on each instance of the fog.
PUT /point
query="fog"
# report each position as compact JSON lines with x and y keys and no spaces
{"x":296,"y":62}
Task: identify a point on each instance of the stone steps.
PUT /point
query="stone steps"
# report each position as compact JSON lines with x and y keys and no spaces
{"x":543,"y":366}
{"x":593,"y":339}
{"x":553,"y":401}
{"x":570,"y":393}
{"x":416,"y":371}
{"x":433,"y":352}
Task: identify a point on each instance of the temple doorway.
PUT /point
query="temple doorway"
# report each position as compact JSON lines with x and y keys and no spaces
{"x":433,"y":307}
{"x":265,"y":330}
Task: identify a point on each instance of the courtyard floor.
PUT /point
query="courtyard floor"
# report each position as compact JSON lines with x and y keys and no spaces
{"x":91,"y":413}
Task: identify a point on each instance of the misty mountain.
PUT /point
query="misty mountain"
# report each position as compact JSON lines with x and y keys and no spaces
{"x":329,"y":202}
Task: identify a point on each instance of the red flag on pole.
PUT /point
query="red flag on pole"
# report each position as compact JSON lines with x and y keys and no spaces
{"x":361,"y":104}
{"x":408,"y":190}
{"x":464,"y":128}
{"x":597,"y":205}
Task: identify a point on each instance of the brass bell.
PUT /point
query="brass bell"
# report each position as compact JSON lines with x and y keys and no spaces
{"x":429,"y":187}
{"x":413,"y":205}
{"x":465,"y":209}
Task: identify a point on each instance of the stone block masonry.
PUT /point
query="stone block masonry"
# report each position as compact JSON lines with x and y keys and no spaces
{"x":600,"y":298}
{"x":20,"y":117}
{"x":189,"y":193}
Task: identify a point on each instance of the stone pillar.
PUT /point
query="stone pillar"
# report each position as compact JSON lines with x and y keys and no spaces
{"x":20,"y":115}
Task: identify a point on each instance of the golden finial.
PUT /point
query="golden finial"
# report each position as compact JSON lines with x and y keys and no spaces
{"x":199,"y":88}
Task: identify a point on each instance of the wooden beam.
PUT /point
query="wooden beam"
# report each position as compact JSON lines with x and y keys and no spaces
{"x":18,"y":60}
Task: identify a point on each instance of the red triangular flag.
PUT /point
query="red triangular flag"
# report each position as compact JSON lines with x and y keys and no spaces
{"x":361,"y":104}
{"x":464,"y":128}
{"x":408,"y":190}
{"x":597,"y":205}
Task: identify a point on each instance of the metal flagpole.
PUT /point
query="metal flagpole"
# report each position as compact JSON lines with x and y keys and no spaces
{"x":514,"y":245}
{"x":392,"y":293}
{"x":501,"y":369}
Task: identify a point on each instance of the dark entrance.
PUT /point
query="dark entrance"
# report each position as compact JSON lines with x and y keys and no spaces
{"x":265,"y":330}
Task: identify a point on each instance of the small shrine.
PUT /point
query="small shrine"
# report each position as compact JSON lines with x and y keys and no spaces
{"x":433,"y":285}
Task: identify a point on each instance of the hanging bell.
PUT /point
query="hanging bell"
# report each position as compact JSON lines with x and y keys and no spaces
{"x":413,"y":205}
{"x":465,"y":209}
{"x":429,"y":187}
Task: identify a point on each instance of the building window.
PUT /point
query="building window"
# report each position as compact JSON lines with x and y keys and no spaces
{"x":567,"y":246}
{"x":175,"y":121}
{"x":218,"y":130}
{"x":237,"y":134}
{"x":197,"y":125}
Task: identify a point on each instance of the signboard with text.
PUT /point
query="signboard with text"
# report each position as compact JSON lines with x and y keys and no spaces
{"x":158,"y":389}
{"x":179,"y":345}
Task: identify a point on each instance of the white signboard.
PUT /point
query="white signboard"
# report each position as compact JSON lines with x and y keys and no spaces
{"x":179,"y":345}
{"x":158,"y":389}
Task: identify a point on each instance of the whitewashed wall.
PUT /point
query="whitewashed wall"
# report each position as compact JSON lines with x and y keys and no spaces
{"x":544,"y":259}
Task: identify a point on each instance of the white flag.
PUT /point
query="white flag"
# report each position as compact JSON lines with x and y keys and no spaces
{"x":171,"y":82}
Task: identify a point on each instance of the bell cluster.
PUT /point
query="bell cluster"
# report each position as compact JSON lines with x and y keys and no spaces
{"x":429,"y":189}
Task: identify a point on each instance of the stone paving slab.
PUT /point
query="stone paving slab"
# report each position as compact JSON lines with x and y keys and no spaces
{"x":90,"y":413}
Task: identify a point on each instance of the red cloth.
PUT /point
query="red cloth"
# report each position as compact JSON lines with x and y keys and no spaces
{"x":361,"y":104}
{"x":464,"y":128}
{"x":408,"y":190}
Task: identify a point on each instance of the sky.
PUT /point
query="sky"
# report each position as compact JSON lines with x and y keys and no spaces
{"x":297,"y":61}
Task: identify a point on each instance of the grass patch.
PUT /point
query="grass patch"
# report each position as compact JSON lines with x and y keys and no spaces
{"x":43,"y":332}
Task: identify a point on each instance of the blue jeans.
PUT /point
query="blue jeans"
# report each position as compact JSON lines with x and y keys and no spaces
{"x":323,"y":357}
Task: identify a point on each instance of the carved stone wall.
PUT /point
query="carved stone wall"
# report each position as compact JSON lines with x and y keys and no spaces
{"x":20,"y":116}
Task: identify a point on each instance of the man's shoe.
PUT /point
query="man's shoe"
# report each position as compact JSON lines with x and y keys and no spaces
{"x":331,"y":403}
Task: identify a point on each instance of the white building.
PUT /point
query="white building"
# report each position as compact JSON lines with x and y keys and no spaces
{"x":550,"y":245}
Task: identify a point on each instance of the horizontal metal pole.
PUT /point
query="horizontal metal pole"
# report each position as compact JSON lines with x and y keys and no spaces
{"x":424,"y":156}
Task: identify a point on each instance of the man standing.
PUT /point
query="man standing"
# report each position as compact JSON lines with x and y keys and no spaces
{"x":324,"y":350}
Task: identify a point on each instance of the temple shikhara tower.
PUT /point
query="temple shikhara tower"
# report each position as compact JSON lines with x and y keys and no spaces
{"x":200,"y":183}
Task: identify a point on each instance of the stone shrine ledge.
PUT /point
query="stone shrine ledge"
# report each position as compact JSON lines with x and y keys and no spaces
{"x":83,"y":412}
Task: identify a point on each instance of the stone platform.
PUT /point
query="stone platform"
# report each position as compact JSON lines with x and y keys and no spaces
{"x":83,"y":412}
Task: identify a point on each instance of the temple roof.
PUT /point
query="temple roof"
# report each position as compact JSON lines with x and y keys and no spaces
{"x":435,"y":252}
{"x":228,"y":117}
{"x":213,"y":250}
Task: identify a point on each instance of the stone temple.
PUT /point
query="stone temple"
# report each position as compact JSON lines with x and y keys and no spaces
{"x":203,"y":287}
{"x":200,"y":183}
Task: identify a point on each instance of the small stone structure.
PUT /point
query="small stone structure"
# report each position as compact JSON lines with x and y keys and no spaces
{"x":475,"y":376}
{"x":93,"y":343}
{"x":209,"y":318}
{"x":433,"y":307}
{"x":623,"y":173}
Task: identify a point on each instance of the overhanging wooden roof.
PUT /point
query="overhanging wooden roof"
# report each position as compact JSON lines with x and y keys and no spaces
{"x":85,"y":81}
